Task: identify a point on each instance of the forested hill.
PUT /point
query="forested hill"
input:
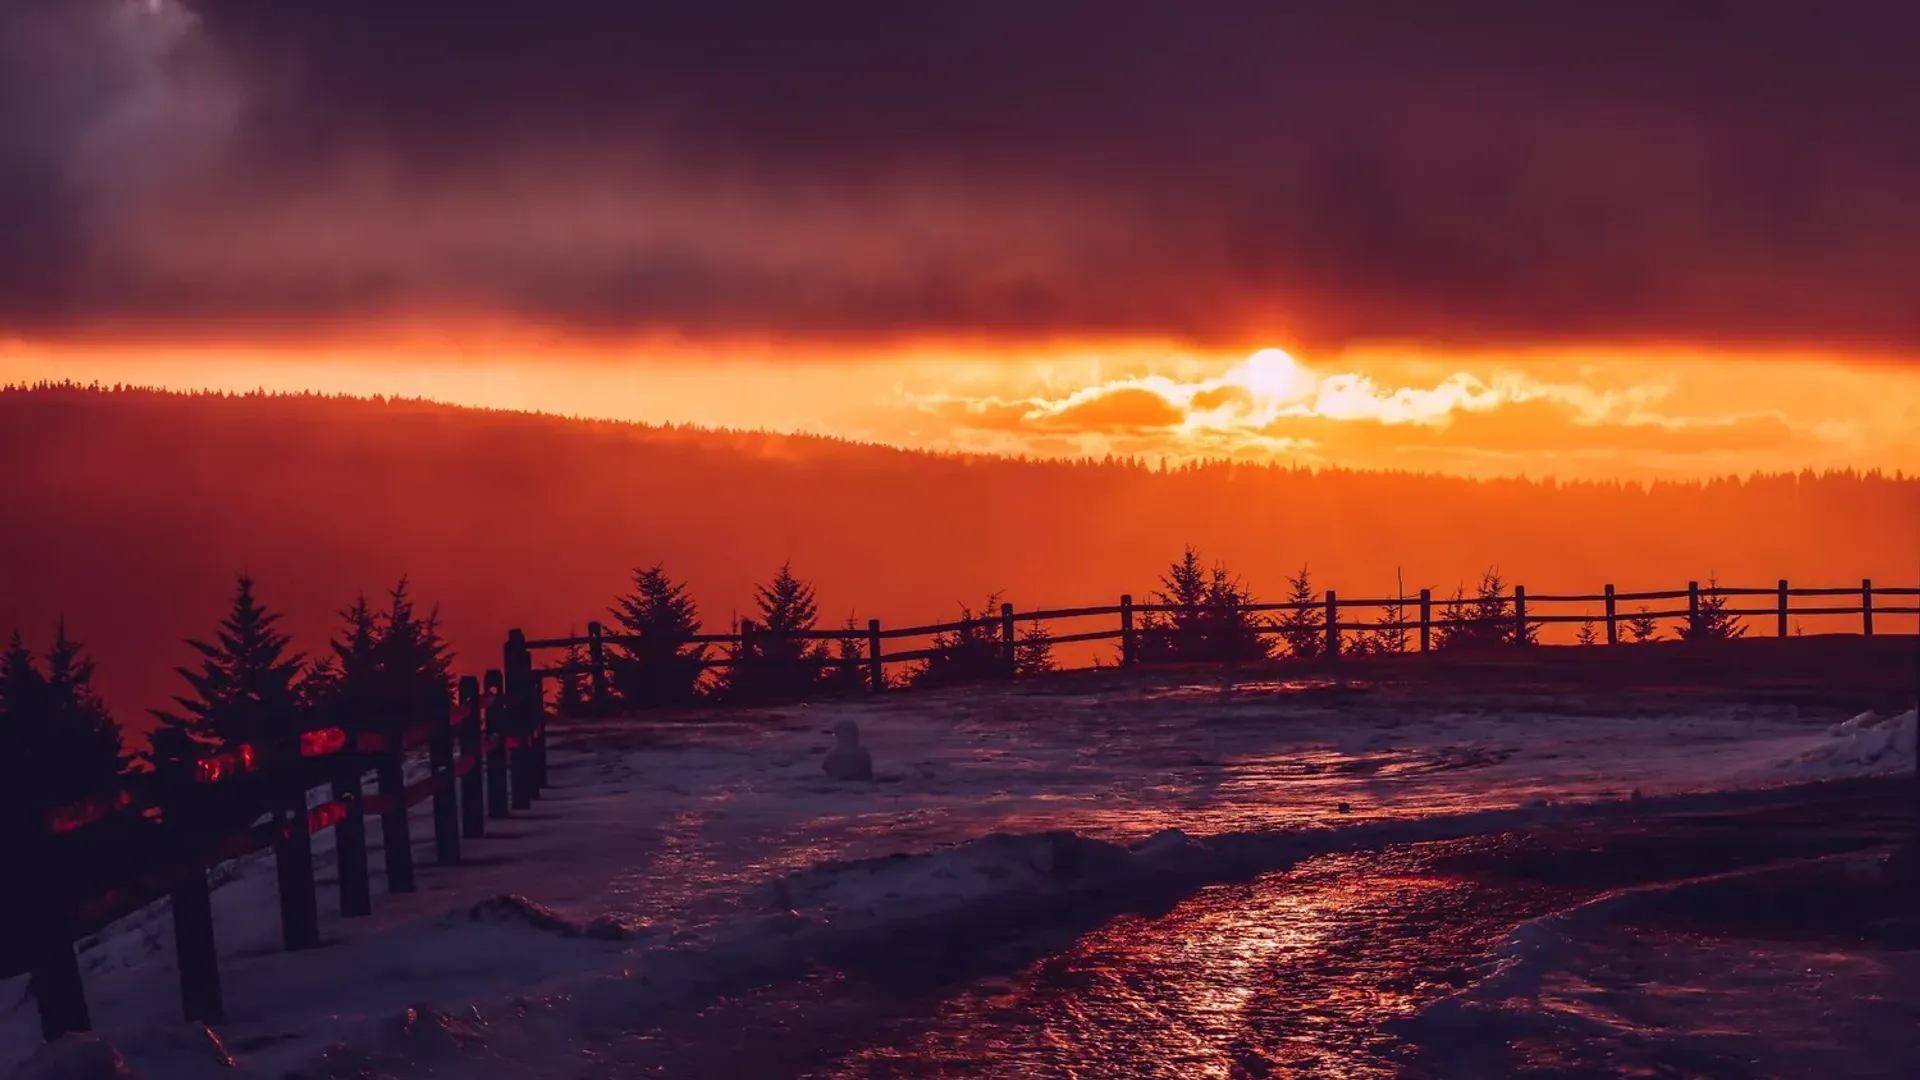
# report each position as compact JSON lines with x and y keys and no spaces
{"x":127,"y":513}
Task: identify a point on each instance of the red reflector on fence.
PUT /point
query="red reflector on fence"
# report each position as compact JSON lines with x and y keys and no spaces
{"x":65,"y":819}
{"x":212,"y":770}
{"x":371,"y":743}
{"x":326,"y":815}
{"x":324,"y":742}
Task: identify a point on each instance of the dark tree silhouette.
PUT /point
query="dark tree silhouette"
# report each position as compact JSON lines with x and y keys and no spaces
{"x":416,"y":669}
{"x":1484,"y":619}
{"x":848,"y":673}
{"x":572,"y":695}
{"x":970,"y":654}
{"x":1233,"y":633}
{"x":1642,"y":627}
{"x":1713,"y":622}
{"x":1033,"y":655}
{"x":58,"y":741}
{"x":770,"y":662}
{"x":245,"y":689}
{"x":661,"y":666}
{"x":1303,"y":626}
{"x":1206,"y":616}
{"x":385,"y":667}
{"x":1178,"y":633}
{"x":1588,"y":635}
{"x":1389,"y":634}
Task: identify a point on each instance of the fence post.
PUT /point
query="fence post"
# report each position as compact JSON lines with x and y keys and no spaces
{"x":1613,"y":618}
{"x":1333,"y":626}
{"x":597,"y":657}
{"x":496,"y":745}
{"x":1426,"y":620}
{"x":1783,"y":607}
{"x":473,"y":810}
{"x":1126,"y":630}
{"x":1009,"y":648}
{"x":876,"y":671}
{"x":1519,"y":614}
{"x":1693,"y":609}
{"x":293,"y":857}
{"x":522,"y":699}
{"x":350,"y":832}
{"x":390,"y":780}
{"x":183,"y":824}
{"x":47,"y":931}
{"x":446,"y":805}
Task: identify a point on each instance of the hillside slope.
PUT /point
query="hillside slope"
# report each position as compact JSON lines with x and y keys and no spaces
{"x":128,"y":512}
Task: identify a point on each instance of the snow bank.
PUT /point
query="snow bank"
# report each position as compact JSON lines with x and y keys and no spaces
{"x":1866,"y":745}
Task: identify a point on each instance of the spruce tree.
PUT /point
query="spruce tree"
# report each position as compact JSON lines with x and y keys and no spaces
{"x":970,"y":653}
{"x":1642,"y":627}
{"x":1233,"y":633}
{"x":848,"y":673}
{"x":1178,"y":633}
{"x":660,"y":666}
{"x":1389,"y":635}
{"x":416,"y":670}
{"x":572,"y":697}
{"x":244,"y":691}
{"x":1713,"y":623}
{"x":58,"y":742}
{"x":1033,"y":655}
{"x":772,"y":662}
{"x":1588,"y":634}
{"x":1484,"y":619}
{"x":1303,"y":627}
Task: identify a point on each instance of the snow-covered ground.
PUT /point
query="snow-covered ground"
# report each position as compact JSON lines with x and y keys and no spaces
{"x":675,"y":860}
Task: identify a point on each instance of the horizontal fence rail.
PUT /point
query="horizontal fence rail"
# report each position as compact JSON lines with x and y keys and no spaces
{"x":156,"y":835}
{"x":1425,"y":620}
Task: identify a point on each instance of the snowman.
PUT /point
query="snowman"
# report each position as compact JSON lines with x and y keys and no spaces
{"x":848,"y":760}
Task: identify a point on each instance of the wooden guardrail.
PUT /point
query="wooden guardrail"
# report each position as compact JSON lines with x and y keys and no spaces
{"x":1424,"y":627}
{"x":157,"y":834}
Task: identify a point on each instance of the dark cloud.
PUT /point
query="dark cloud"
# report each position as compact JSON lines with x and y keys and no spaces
{"x":1701,"y":172}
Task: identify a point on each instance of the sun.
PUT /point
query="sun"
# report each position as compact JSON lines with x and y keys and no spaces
{"x":1272,"y":375}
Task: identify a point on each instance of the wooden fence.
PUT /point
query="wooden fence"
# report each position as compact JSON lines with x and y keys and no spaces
{"x":77,"y":868}
{"x":1423,"y":623}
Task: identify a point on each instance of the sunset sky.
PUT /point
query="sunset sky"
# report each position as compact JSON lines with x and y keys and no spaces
{"x":1579,"y":240}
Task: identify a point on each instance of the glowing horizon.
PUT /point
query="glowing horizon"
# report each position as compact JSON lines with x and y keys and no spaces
{"x":1572,"y":413}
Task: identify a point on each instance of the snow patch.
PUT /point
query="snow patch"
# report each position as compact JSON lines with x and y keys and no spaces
{"x":1866,"y":745}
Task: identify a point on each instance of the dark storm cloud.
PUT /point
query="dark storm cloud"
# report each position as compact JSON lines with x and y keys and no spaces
{"x":1706,"y":172}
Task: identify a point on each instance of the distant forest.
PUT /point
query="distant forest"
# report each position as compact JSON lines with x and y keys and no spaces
{"x":128,"y":512}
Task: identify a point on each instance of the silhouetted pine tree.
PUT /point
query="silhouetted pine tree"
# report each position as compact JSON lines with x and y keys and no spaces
{"x":1642,"y":627}
{"x":1033,"y":655}
{"x":661,"y":667}
{"x":771,"y":662}
{"x":58,"y":741}
{"x":572,"y":695}
{"x":1178,"y":633}
{"x":1713,"y":622}
{"x":1233,"y":633}
{"x":1485,"y":619}
{"x":1390,"y":634}
{"x":1303,"y":626}
{"x":416,"y":671}
{"x":1588,"y":635}
{"x":848,"y":674}
{"x":244,"y":691}
{"x":970,"y":654}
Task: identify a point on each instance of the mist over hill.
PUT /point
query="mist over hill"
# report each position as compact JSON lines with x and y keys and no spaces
{"x":127,"y":513}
